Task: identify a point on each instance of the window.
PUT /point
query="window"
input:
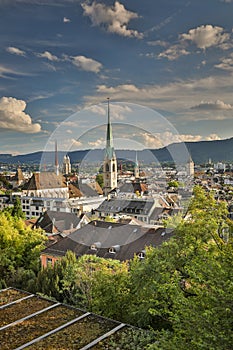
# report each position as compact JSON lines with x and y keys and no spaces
{"x":49,"y":261}
{"x":141,"y":255}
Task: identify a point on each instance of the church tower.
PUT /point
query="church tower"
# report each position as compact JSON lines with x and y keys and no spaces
{"x":190,"y":167}
{"x":136,"y":167}
{"x":110,"y":162}
{"x":56,"y":166}
{"x":66,"y":167}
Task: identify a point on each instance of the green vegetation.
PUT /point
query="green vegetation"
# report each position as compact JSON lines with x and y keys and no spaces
{"x":181,"y":291}
{"x":20,"y":248}
{"x":100,"y":179}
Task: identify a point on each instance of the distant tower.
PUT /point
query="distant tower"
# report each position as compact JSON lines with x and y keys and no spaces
{"x":190,"y":167}
{"x":66,"y":165}
{"x":110,"y":162}
{"x":136,"y":167}
{"x":56,"y":167}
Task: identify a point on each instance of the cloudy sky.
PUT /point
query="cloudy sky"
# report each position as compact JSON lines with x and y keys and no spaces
{"x":166,"y":65}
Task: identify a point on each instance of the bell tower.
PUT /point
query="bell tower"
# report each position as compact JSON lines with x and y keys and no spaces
{"x":110,"y":162}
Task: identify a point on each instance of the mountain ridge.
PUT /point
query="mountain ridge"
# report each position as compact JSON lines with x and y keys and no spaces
{"x":200,"y":152}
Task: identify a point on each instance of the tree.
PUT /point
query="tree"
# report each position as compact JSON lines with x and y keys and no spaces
{"x":20,"y":248}
{"x":184,"y":289}
{"x":17,"y":209}
{"x":100,"y":179}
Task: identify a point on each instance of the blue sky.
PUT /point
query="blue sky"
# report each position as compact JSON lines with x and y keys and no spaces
{"x":166,"y":65}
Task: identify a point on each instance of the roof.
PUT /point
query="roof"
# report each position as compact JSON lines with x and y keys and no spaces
{"x":95,"y":186}
{"x":30,"y":321}
{"x":129,"y":240}
{"x":88,"y":190}
{"x":74,"y":191}
{"x":127,"y":206}
{"x":19,"y":175}
{"x":53,"y":221}
{"x":45,"y":180}
{"x":133,"y":187}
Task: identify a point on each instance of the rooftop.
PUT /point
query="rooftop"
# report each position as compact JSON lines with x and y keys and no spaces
{"x":28,"y":321}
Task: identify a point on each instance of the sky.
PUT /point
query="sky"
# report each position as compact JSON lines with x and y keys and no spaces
{"x":166,"y":65}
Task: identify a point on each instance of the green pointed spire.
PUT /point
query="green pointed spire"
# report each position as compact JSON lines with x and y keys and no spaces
{"x":136,"y":164}
{"x":109,"y":151}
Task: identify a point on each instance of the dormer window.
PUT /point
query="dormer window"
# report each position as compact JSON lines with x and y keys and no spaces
{"x":95,"y":246}
{"x":141,"y":255}
{"x":114,"y":249}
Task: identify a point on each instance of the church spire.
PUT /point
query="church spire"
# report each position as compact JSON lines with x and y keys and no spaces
{"x":110,"y":162}
{"x":136,"y":166}
{"x":56,"y":159}
{"x":109,"y":151}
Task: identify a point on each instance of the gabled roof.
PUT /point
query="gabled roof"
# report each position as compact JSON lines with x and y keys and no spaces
{"x":45,"y":180}
{"x":129,"y":240}
{"x":74,"y":191}
{"x":133,"y":187}
{"x":96,"y":187}
{"x":88,"y":190}
{"x":54,"y":222}
{"x":19,"y":175}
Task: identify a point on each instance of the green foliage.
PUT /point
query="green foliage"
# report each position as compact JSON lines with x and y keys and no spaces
{"x":20,"y":249}
{"x":100,"y":179}
{"x":183,"y":290}
{"x":127,"y":339}
{"x":17,"y":209}
{"x":173,"y":183}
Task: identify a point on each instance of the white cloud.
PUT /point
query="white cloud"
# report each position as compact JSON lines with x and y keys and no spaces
{"x":166,"y":138}
{"x":226,"y":63}
{"x":98,"y":143}
{"x":74,"y":143}
{"x":5,"y":72}
{"x":212,"y":137}
{"x":157,"y":43}
{"x":66,"y":20}
{"x":173,"y":52}
{"x":176,"y":97}
{"x":47,"y":55}
{"x":15,"y":51}
{"x":87,"y":64}
{"x":118,"y":112}
{"x":206,"y":36}
{"x":115,"y":18}
{"x":13,"y":117}
{"x":217,"y":105}
{"x":151,"y":141}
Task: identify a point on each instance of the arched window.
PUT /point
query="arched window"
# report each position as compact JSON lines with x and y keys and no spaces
{"x":106,"y":167}
{"x":114,"y":167}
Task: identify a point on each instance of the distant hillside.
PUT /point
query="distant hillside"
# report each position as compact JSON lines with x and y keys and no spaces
{"x":201,"y":152}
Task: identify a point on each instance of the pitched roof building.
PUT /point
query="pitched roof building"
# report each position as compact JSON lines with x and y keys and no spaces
{"x":107,"y":240}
